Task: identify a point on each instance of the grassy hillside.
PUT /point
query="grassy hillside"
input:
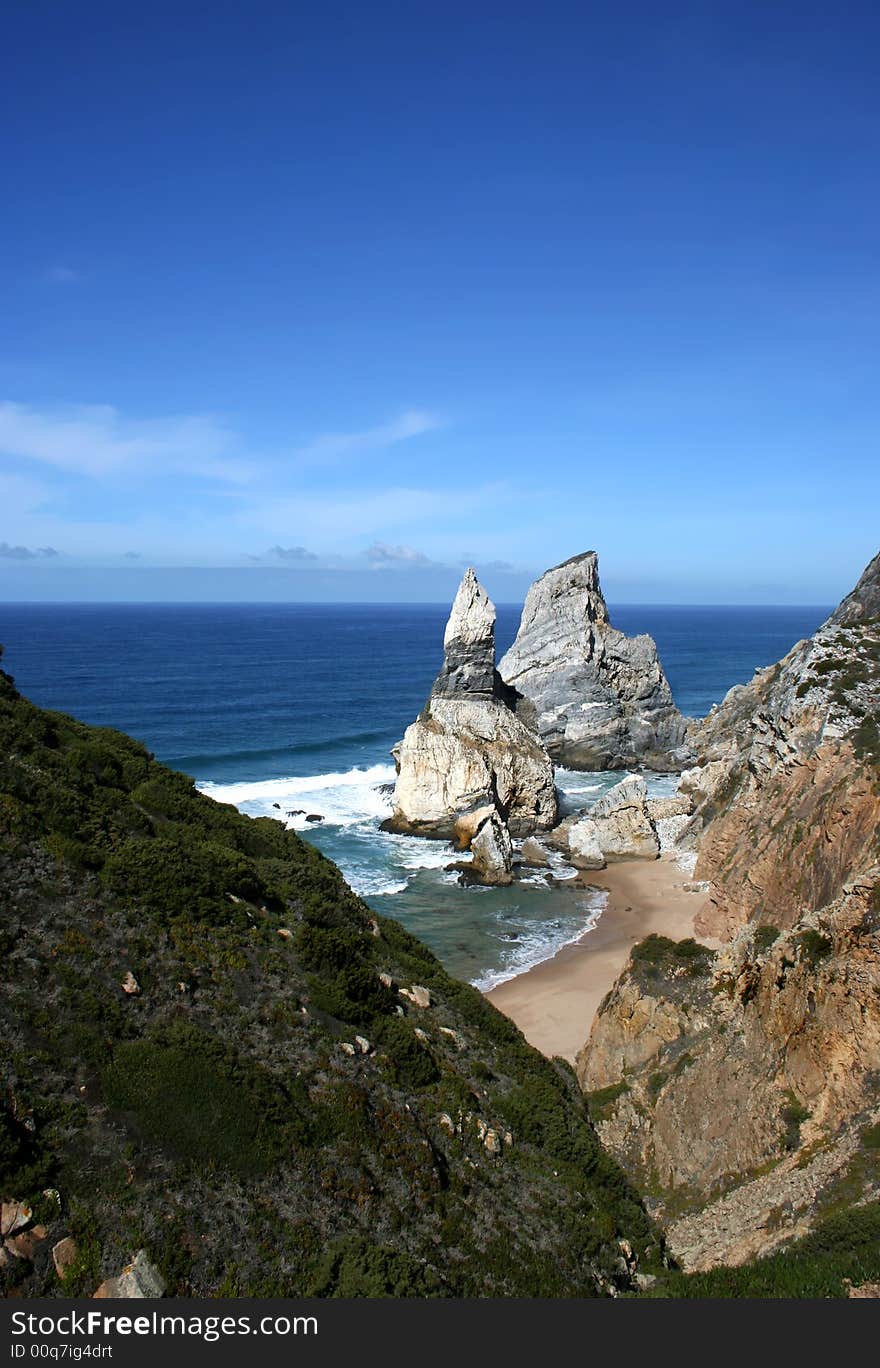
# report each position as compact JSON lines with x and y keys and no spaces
{"x":224,"y":1116}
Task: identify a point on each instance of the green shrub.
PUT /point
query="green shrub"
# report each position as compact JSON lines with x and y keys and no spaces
{"x":357,"y":1267}
{"x":658,"y":954}
{"x":793,"y":1116}
{"x":198,"y":1100}
{"x":765,"y":936}
{"x":814,"y":946}
{"x":871,"y":1136}
{"x":601,"y":1100}
{"x":412,"y":1065}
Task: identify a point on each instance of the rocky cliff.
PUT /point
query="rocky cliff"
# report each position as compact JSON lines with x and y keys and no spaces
{"x":786,"y":781}
{"x":473,"y":752}
{"x":601,"y":698}
{"x":741,"y":1086}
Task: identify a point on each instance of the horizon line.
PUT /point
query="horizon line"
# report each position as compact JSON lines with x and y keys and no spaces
{"x":361,"y":603}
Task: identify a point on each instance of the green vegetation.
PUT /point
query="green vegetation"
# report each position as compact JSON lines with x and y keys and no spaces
{"x":814,"y":946}
{"x":765,"y":936}
{"x":871,"y":1137}
{"x":602,"y":1100}
{"x":658,"y":955}
{"x":793,"y":1115}
{"x":223,"y":1105}
{"x":199,"y":1100}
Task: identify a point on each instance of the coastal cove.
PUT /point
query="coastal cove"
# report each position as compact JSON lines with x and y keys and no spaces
{"x":299,"y":705}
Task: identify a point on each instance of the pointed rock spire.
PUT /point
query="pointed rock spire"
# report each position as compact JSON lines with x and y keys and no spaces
{"x":469,"y":644}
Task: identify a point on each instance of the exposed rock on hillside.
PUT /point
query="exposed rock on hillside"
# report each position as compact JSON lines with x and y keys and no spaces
{"x":707,"y":1069}
{"x":786,"y":786}
{"x":602,"y":699}
{"x":743,"y":1085}
{"x":472,"y":747}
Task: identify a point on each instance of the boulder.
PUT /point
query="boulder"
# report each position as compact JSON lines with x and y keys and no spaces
{"x":601,"y":698}
{"x":534,"y":852}
{"x":492,"y":853}
{"x":624,"y":830}
{"x":584,"y":848}
{"x":14,"y":1216}
{"x":63,"y":1255}
{"x":417,"y":994}
{"x":678,"y":805}
{"x":140,"y":1278}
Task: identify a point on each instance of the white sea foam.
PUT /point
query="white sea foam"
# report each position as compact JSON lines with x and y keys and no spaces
{"x":542,"y":943}
{"x":342,"y":799}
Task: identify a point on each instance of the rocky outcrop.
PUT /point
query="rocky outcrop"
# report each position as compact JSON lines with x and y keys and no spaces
{"x":711,"y":1069}
{"x":472,"y":748}
{"x":742,"y":1084}
{"x":863,"y":604}
{"x":786,"y":794}
{"x":140,"y":1278}
{"x":619,"y":823}
{"x":601,"y":698}
{"x":492,"y":852}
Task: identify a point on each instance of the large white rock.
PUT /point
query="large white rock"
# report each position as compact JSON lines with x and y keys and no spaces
{"x":466,"y":754}
{"x":584,"y":847}
{"x":472,"y":752}
{"x":617,"y":827}
{"x":601,"y":698}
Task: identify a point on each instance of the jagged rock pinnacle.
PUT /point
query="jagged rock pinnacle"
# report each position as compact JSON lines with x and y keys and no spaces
{"x":602,"y":699}
{"x":468,"y":643}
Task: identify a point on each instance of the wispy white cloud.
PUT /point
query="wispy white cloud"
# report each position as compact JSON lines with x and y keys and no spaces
{"x":334,"y":517}
{"x":334,"y":446}
{"x":96,"y":440}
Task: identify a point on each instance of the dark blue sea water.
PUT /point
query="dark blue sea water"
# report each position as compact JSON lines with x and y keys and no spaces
{"x":299,"y":704}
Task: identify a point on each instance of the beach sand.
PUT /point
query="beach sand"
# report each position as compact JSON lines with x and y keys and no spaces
{"x":554,"y":1003}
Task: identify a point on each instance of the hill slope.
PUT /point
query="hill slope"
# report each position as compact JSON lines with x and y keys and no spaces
{"x":217,"y":1108}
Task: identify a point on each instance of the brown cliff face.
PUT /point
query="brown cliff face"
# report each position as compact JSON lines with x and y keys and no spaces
{"x":789,"y":842}
{"x":737,"y":1086}
{"x":787,"y":779}
{"x":710,"y":1072}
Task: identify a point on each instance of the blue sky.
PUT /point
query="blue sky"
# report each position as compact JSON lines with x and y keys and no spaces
{"x":333,"y":299}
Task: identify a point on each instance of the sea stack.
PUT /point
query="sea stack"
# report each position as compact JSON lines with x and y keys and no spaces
{"x":601,"y":698}
{"x":473,"y":756}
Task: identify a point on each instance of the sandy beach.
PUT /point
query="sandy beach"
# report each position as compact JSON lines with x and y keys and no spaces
{"x":554,"y":1003}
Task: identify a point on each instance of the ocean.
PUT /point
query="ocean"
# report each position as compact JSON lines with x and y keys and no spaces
{"x":296,"y":706}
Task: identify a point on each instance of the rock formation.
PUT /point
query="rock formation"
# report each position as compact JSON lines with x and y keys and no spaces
{"x":492,"y":852}
{"x":602,"y":699}
{"x":742,"y":1083}
{"x":787,"y":806}
{"x":617,"y":827}
{"x":472,"y":753}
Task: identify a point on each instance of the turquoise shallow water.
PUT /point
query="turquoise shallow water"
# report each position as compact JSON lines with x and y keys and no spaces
{"x":298,"y":705}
